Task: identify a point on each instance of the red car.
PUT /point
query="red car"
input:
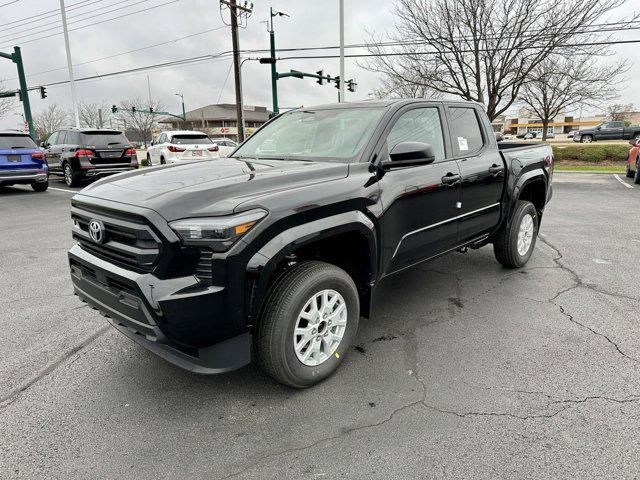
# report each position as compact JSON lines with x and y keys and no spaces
{"x":633,"y":162}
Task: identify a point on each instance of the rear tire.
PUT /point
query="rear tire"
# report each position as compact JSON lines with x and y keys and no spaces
{"x":629,"y":172}
{"x":70,"y":177}
{"x":40,"y":186}
{"x":162,"y":161}
{"x":514,"y":244}
{"x":280,"y":348}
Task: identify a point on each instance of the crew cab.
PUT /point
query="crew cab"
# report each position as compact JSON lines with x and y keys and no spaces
{"x":88,"y":154}
{"x":608,"y":131}
{"x":181,"y":145}
{"x":21,"y":161}
{"x":281,"y":246}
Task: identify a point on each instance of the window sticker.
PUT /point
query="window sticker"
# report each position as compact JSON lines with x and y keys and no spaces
{"x":462,"y":144}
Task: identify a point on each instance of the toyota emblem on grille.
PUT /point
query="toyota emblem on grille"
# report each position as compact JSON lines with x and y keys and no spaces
{"x":96,"y":231}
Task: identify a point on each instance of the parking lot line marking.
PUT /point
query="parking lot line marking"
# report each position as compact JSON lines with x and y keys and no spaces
{"x":622,"y":181}
{"x":62,"y":190}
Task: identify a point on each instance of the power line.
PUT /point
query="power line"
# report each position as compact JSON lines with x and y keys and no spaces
{"x":9,"y":3}
{"x":56,"y":14}
{"x":202,"y":58}
{"x":57,"y":23}
{"x":98,"y":23}
{"x":50,"y":13}
{"x":127,"y":52}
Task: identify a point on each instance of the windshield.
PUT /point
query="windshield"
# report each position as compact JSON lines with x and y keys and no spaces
{"x":8,"y":142}
{"x":103,"y":139}
{"x":332,"y":134}
{"x":190,"y":139}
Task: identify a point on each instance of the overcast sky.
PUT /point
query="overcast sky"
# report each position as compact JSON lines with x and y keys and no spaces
{"x":311,"y":23}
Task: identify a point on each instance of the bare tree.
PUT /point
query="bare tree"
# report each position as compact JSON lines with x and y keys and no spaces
{"x":619,"y":112}
{"x":6,"y":103}
{"x":559,"y":83}
{"x":481,"y":50}
{"x":93,"y":115}
{"x":49,"y":120}
{"x":140,"y":123}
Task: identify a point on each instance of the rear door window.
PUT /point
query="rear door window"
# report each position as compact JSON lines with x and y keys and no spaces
{"x":466,"y":133}
{"x":73,"y":138}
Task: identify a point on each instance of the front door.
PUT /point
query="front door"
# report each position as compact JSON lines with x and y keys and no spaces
{"x":419,"y":202}
{"x":52,"y":152}
{"x":482,"y":170}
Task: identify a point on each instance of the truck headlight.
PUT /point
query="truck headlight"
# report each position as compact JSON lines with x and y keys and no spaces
{"x":219,"y":233}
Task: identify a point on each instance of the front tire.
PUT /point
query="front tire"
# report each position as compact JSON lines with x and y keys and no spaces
{"x":514,"y":245}
{"x":586,"y":139}
{"x":308,"y":323}
{"x":40,"y":186}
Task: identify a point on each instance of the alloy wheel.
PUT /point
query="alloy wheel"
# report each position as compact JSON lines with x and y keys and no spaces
{"x":320,"y":327}
{"x":525,"y":234}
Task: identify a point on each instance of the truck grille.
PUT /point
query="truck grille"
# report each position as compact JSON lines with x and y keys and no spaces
{"x":204,"y":271}
{"x":128,"y":240}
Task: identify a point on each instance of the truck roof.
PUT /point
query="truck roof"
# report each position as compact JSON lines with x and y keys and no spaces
{"x":385,"y":102}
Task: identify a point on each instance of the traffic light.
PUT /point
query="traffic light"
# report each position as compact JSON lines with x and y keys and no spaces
{"x":133,"y":109}
{"x":114,"y":109}
{"x":320,"y":80}
{"x":150,"y":109}
{"x":43,"y":92}
{"x":351,"y":85}
{"x":337,"y":80}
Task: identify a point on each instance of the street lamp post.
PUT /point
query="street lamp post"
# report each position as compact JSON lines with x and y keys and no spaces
{"x":274,"y":73}
{"x":184,"y":114}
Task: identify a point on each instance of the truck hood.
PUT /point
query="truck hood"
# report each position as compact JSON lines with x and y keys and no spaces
{"x":210,"y":187}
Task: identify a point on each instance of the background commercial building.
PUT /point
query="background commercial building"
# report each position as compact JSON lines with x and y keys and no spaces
{"x":219,"y":121}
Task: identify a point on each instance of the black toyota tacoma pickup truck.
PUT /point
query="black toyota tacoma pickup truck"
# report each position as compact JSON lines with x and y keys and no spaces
{"x":275,"y":251}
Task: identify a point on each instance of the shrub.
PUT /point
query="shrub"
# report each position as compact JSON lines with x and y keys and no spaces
{"x":144,"y":162}
{"x":591,"y":153}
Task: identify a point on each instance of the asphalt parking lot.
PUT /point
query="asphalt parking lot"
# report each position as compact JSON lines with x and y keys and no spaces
{"x":465,"y":370}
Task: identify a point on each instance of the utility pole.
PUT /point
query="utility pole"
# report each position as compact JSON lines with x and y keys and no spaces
{"x":149,"y":89}
{"x":74,"y":98}
{"x":99,"y":118}
{"x":236,"y":11}
{"x":341,"y":96}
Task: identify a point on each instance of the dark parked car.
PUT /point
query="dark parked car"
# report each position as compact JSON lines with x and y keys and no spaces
{"x":88,"y":153}
{"x":283,"y":243}
{"x":608,"y":131}
{"x":21,"y":161}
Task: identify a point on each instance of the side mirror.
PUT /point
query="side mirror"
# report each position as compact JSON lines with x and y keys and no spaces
{"x":598,"y":128}
{"x":44,"y":144}
{"x":408,"y":154}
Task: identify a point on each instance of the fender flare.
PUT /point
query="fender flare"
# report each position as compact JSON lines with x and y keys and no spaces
{"x":264,"y":261}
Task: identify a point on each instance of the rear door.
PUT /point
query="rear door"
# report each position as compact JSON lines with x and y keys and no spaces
{"x":52,"y":152}
{"x":482,"y":170}
{"x":419,"y":219}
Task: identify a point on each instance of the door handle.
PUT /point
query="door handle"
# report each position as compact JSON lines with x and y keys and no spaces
{"x":496,"y":170}
{"x":451,"y":178}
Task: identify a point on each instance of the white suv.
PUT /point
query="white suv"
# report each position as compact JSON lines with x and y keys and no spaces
{"x":181,"y":145}
{"x":225,"y":146}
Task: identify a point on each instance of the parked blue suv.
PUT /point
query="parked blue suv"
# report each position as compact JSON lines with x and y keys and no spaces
{"x":22,"y":162}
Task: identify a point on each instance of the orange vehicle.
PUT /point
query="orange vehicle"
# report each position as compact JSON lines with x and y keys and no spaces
{"x":633,"y":162}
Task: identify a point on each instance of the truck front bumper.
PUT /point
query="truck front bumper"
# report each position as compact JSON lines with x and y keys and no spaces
{"x":141,"y":306}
